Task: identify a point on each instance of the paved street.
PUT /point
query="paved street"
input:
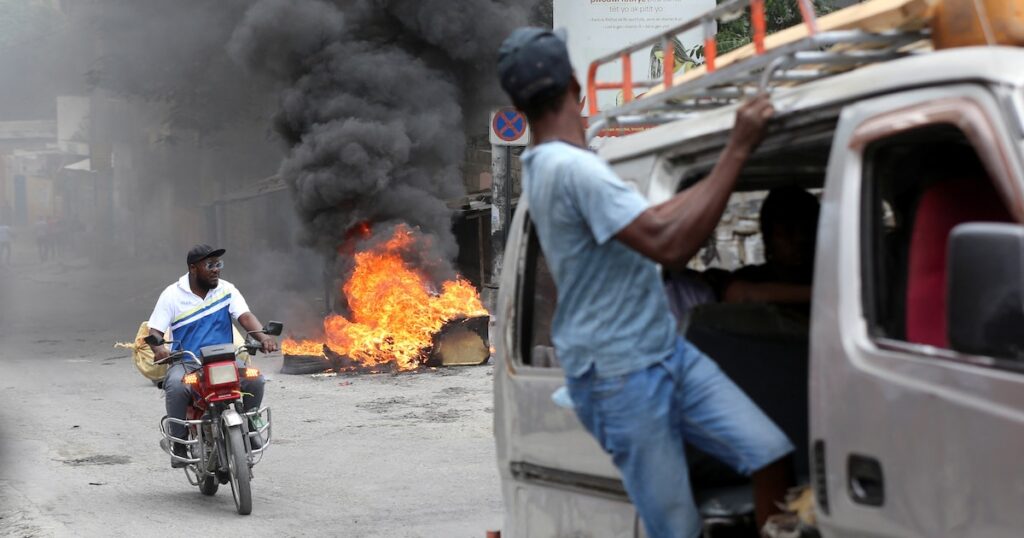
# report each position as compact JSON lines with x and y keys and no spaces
{"x":371,"y":455}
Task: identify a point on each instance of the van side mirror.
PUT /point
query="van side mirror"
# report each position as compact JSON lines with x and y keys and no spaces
{"x":273,"y":328}
{"x":985,"y":290}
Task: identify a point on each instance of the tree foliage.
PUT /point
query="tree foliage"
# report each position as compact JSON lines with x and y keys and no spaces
{"x":779,"y":15}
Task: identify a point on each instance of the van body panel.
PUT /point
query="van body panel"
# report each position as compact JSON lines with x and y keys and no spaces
{"x":554,"y":512}
{"x":946,"y":433}
{"x":530,"y":429}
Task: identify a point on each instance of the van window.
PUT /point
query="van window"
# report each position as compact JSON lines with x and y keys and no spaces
{"x":918,"y":185}
{"x":537,"y":299}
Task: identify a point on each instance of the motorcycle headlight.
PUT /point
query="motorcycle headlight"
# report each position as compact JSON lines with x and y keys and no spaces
{"x":221,"y":374}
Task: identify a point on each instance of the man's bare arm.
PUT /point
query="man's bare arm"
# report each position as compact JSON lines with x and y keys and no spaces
{"x":249,"y":321}
{"x":672,"y":232}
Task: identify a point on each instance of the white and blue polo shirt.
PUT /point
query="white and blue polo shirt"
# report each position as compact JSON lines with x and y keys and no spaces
{"x":194,"y":321}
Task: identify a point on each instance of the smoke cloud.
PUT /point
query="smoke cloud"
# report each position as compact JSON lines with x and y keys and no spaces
{"x":374,"y":103}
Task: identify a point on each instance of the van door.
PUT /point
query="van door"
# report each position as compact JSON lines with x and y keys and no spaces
{"x":556,"y":479}
{"x":910,"y":437}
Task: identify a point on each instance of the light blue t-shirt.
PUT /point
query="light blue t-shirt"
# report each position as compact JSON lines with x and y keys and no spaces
{"x":612,"y":310}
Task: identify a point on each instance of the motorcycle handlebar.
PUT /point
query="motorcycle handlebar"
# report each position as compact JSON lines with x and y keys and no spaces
{"x":177,"y":355}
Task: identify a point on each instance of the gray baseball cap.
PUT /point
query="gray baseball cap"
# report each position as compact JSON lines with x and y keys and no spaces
{"x":534,"y":63}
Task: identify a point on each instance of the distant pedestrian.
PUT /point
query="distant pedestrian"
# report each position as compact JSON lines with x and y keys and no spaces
{"x":5,"y":244}
{"x":58,"y":237}
{"x":41,"y":231}
{"x":52,"y":238}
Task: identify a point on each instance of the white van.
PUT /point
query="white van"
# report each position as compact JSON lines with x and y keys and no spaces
{"x":905,"y":388}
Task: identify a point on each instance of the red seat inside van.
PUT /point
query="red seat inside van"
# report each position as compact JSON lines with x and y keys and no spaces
{"x":942,"y":207}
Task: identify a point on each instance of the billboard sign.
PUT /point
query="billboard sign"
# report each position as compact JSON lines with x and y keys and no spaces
{"x":598,"y":27}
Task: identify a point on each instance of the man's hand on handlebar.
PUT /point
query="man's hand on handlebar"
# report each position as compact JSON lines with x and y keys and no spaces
{"x":268,"y":344}
{"x":160,"y":353}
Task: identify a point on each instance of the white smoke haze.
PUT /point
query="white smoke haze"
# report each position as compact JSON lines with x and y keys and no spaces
{"x":361,"y":107}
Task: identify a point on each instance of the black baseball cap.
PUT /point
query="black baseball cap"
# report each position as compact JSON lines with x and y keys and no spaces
{"x":533,"y":63}
{"x":200,"y":252}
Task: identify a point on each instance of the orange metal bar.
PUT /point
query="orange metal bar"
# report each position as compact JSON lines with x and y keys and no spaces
{"x":668,"y":62}
{"x":757,"y":19}
{"x":710,"y":53}
{"x":810,"y":19}
{"x":627,"y":77}
{"x":710,"y":45}
{"x":592,"y":89}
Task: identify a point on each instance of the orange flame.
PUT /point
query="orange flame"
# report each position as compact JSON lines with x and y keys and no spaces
{"x":394,"y":314}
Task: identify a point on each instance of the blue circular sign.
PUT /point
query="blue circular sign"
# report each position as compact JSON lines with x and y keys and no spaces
{"x":508,"y":124}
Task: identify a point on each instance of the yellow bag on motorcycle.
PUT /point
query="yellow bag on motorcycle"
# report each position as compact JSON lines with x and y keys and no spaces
{"x":142,"y":354}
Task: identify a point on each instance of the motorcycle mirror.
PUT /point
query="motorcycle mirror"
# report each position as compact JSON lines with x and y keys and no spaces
{"x":273,"y":328}
{"x":154,"y":341}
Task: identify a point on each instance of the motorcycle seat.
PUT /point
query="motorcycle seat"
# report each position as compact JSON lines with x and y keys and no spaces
{"x":217,"y":353}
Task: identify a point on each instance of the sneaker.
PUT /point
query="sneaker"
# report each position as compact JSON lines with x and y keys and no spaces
{"x":256,"y":423}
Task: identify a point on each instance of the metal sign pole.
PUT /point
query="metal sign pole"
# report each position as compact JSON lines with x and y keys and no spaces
{"x":508,"y":128}
{"x":500,"y":206}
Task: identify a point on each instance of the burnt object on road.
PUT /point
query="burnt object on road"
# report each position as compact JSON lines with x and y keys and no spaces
{"x":460,"y":342}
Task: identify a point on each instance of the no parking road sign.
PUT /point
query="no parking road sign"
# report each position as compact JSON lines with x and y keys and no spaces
{"x":509,"y":128}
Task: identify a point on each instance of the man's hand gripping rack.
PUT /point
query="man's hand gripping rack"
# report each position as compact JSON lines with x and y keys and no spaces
{"x":816,"y":56}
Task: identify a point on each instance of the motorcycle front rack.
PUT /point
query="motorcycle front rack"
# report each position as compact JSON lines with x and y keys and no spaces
{"x":263,"y":433}
{"x":194,"y":425}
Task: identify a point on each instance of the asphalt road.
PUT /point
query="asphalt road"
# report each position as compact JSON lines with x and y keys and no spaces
{"x":369,"y":455}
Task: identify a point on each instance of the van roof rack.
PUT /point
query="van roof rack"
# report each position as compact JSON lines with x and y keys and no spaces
{"x":816,"y":56}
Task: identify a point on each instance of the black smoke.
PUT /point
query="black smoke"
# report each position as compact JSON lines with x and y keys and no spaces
{"x":376,"y":96}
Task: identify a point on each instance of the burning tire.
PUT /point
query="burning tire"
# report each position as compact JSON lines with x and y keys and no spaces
{"x":460,"y":342}
{"x":306,"y":364}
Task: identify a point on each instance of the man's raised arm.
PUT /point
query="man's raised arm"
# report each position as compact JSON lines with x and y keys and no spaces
{"x":672,"y":232}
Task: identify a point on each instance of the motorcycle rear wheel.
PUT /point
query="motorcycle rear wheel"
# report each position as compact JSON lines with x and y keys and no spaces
{"x":238,"y":466}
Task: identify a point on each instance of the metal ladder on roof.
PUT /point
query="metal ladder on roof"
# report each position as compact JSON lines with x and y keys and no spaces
{"x":817,"y":56}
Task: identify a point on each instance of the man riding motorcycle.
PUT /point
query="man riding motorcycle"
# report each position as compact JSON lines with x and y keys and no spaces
{"x":198,"y":310}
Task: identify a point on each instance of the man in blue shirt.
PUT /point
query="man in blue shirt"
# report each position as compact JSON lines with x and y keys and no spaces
{"x":639,"y":388}
{"x":198,"y":310}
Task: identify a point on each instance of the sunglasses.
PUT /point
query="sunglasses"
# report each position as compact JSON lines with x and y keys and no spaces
{"x":210,"y":266}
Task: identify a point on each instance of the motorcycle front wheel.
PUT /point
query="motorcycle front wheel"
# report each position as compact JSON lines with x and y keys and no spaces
{"x":208,"y":486}
{"x":238,"y":466}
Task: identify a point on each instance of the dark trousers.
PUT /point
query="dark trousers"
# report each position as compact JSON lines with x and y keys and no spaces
{"x":178,"y":395}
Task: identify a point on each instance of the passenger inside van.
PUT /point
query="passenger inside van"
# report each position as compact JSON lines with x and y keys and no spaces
{"x":789,"y":223}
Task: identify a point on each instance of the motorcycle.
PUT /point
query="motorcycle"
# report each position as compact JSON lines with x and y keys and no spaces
{"x":224,"y":441}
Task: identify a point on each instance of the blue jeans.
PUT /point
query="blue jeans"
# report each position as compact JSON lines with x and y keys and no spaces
{"x":644,"y":417}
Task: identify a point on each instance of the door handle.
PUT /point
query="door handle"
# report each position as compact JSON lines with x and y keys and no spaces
{"x":865,"y":480}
